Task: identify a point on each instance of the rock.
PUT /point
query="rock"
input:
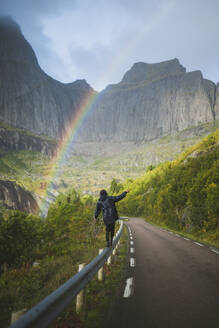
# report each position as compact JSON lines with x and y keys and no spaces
{"x":14,"y":139}
{"x":151,"y":72}
{"x":151,"y":105}
{"x":151,"y":101}
{"x":29,"y":98}
{"x":216,"y":108}
{"x":13,"y":197}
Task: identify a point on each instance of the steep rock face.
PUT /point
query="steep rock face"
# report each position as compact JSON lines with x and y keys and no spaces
{"x":216,"y":107}
{"x":151,"y":72}
{"x":17,"y":140}
{"x":152,"y":100}
{"x":14,"y":197}
{"x":29,"y":98}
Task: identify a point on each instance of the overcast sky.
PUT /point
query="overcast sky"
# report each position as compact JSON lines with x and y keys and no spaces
{"x":99,"y":40}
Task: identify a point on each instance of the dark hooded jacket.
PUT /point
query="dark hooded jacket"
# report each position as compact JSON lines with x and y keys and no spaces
{"x":107,"y":205}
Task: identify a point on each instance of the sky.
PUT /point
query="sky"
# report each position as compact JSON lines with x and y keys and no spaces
{"x":100,"y":40}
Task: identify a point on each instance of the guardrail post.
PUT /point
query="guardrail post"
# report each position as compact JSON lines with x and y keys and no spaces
{"x":42,"y":314}
{"x":100,"y":272}
{"x":80,"y":296}
{"x":114,"y":251}
{"x":5,"y":267}
{"x":109,"y":260}
{"x":16,"y":315}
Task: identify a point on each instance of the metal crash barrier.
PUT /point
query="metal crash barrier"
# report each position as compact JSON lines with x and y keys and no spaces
{"x":48,"y":309}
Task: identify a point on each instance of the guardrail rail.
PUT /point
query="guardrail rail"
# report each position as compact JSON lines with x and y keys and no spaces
{"x":42,"y":314}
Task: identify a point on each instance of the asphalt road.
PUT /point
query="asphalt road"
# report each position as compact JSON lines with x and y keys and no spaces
{"x":170,"y":282}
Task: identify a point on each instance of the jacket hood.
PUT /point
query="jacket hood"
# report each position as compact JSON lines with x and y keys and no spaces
{"x":103,"y":195}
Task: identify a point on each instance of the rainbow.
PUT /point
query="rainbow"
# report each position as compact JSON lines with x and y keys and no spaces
{"x":66,"y":142}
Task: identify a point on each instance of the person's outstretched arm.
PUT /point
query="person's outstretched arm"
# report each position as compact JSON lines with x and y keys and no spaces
{"x":118,"y":198}
{"x":97,"y":210}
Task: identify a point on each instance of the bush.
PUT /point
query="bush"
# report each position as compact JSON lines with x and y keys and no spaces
{"x":19,"y":235}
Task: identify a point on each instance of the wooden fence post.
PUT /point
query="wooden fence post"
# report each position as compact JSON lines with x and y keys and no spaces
{"x":80,"y":296}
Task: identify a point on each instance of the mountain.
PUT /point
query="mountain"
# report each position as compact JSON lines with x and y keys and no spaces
{"x":29,"y":98}
{"x":151,"y":101}
{"x":12,"y":139}
{"x":13,"y":197}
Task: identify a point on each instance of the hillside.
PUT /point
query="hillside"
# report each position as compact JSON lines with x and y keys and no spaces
{"x":182,"y":194}
{"x":151,"y":116}
{"x":93,"y":166}
{"x":29,"y":98}
{"x":151,"y":100}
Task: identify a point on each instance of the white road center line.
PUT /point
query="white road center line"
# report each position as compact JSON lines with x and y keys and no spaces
{"x":128,"y":288}
{"x":132,"y":262}
{"x":131,"y":242}
{"x":131,"y":238}
{"x":132,"y":250}
{"x":198,"y":244}
{"x":214,"y":250}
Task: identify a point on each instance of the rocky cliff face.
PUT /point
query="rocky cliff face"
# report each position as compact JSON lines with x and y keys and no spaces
{"x":151,"y":101}
{"x":29,"y":98}
{"x":216,"y":107}
{"x":14,"y":197}
{"x":15,"y":139}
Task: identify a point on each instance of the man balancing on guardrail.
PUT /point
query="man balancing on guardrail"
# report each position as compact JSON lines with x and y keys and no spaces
{"x":107,"y":205}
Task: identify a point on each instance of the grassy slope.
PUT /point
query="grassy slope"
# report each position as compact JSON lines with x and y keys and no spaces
{"x":29,"y":169}
{"x":182,"y":195}
{"x":90,"y":173}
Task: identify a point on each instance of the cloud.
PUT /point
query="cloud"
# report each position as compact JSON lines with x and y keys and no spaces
{"x":100,"y":40}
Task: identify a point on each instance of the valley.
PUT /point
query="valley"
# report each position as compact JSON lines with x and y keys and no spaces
{"x":92,"y":166}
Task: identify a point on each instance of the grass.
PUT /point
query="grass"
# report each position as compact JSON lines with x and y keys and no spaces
{"x":25,"y":287}
{"x":94,"y":171}
{"x":99,"y":295}
{"x":209,"y":238}
{"x":26,"y":132}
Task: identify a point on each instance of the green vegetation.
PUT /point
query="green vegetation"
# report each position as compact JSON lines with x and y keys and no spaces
{"x":26,"y":132}
{"x":182,"y":194}
{"x":94,"y":171}
{"x":58,"y":244}
{"x":99,"y":296}
{"x":38,"y":256}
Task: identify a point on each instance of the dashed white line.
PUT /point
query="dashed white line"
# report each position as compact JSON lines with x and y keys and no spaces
{"x":132,"y":262}
{"x":214,"y":250}
{"x":131,"y":238}
{"x":198,"y":244}
{"x":128,"y":288}
{"x":132,"y":250}
{"x":131,"y":242}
